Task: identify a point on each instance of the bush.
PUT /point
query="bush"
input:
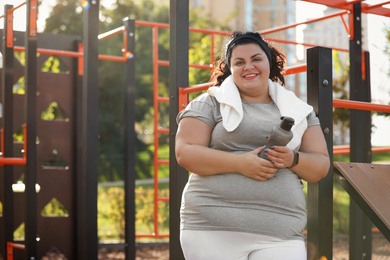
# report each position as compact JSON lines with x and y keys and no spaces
{"x":111,"y":214}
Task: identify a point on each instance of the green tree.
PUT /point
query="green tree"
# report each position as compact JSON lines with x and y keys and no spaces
{"x":65,"y":18}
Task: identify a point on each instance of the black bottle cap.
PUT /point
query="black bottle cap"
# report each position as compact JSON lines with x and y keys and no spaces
{"x":287,"y":123}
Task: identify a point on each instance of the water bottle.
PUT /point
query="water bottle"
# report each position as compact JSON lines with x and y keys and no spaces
{"x":280,"y":134}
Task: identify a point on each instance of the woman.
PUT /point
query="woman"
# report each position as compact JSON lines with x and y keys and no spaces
{"x":237,"y":205}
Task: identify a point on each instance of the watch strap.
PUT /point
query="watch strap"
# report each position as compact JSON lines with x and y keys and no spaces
{"x":296,"y":159}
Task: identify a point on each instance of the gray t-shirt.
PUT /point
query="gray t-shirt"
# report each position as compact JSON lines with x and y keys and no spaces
{"x":233,"y":202}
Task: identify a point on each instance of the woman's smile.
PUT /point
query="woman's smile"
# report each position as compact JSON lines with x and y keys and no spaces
{"x":250,"y":76}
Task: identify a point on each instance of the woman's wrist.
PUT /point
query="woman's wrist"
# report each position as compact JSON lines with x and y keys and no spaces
{"x":295,"y":159}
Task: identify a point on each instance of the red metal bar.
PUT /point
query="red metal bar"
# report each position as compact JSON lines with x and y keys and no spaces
{"x":345,"y":149}
{"x":12,"y":161}
{"x":74,"y":54}
{"x":377,"y":8}
{"x":360,"y":105}
{"x":152,"y":235}
{"x":152,"y":24}
{"x":295,"y":69}
{"x":10,"y":29}
{"x":156,"y":128}
{"x":112,"y":58}
{"x":163,"y":130}
{"x":53,"y":52}
{"x":10,"y":249}
{"x":18,"y":6}
{"x":126,"y":53}
{"x":304,"y":44}
{"x":33,"y":18}
{"x":163,"y":199}
{"x":351,"y":25}
{"x":212,"y":53}
{"x":284,"y":27}
{"x":364,"y":73}
{"x":163,"y":99}
{"x":345,"y":24}
{"x":113,"y":32}
{"x":163,"y":63}
{"x":80,"y":59}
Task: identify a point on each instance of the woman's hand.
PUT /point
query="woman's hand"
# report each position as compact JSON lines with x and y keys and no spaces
{"x":314,"y":160}
{"x":254,"y":167}
{"x":280,"y":156}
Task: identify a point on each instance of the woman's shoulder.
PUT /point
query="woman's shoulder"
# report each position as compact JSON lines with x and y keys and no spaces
{"x":206,"y":98}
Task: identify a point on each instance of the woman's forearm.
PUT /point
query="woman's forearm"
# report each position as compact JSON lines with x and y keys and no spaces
{"x":206,"y":161}
{"x":312,"y":167}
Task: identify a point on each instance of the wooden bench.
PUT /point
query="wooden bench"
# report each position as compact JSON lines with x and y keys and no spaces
{"x":369,"y":186}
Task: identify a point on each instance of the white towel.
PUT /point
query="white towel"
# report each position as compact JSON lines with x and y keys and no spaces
{"x":287,"y":102}
{"x":231,"y":106}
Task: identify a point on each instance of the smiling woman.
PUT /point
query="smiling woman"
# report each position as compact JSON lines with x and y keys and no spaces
{"x":219,"y":138}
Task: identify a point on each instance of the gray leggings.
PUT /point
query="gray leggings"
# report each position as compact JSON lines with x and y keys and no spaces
{"x":226,"y":245}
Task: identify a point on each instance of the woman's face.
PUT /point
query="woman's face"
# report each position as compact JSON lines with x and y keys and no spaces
{"x":250,"y":69}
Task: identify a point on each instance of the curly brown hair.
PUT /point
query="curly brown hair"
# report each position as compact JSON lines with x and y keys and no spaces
{"x":275,"y":57}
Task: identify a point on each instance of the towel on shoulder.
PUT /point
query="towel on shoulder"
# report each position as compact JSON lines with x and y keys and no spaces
{"x":288,"y":103}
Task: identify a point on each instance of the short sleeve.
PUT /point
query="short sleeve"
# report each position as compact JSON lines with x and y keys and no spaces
{"x":204,"y":108}
{"x":312,"y":119}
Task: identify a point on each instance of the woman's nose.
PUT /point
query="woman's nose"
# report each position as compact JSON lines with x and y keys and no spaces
{"x":248,"y":66}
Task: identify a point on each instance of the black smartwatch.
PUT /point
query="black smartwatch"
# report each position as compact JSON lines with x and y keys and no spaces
{"x":296,"y":159}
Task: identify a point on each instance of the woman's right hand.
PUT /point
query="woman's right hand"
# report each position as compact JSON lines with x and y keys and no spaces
{"x":252,"y":166}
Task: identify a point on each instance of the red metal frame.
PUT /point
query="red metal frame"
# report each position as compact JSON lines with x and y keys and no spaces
{"x":10,"y":249}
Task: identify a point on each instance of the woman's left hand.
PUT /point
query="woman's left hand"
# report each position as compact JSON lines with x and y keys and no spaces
{"x":314,"y":159}
{"x":280,"y":156}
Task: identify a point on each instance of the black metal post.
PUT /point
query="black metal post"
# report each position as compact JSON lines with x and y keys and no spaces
{"x":87,"y":197}
{"x":7,"y":124}
{"x":360,"y":140}
{"x":31,"y":43}
{"x":320,"y":195}
{"x":130,"y":142}
{"x":178,"y":77}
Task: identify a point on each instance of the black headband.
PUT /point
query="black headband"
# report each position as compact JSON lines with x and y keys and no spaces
{"x":256,"y":38}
